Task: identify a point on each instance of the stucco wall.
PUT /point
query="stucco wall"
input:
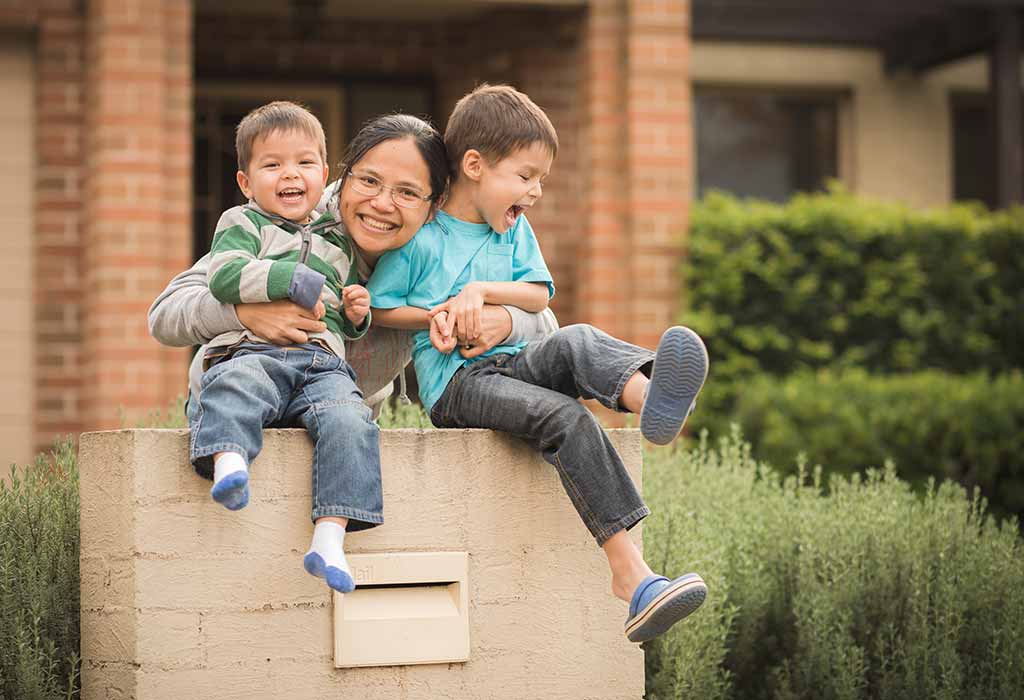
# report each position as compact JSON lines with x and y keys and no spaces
{"x":183,"y":599}
{"x":896,"y":140}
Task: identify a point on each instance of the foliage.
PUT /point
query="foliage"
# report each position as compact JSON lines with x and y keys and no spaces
{"x":39,"y":599}
{"x":396,"y":413}
{"x":869,"y":592}
{"x":828,"y":280}
{"x":931,"y":424}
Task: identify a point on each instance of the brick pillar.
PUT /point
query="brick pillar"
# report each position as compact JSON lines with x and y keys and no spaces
{"x":58,"y":221}
{"x":137,"y":205}
{"x":636,"y":154}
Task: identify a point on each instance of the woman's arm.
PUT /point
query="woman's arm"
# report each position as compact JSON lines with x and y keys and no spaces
{"x":186,"y":313}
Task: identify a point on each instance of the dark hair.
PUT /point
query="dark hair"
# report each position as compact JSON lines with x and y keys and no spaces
{"x":276,"y":116}
{"x":389,"y":127}
{"x":496,"y":120}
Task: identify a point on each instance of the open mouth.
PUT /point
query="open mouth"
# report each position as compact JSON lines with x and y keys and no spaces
{"x":511,"y":214}
{"x":292,"y":194}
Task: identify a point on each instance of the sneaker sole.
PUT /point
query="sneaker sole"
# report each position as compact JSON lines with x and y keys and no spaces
{"x":672,"y":605}
{"x":680,"y":368}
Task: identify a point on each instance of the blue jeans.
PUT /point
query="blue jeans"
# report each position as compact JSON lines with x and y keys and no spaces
{"x":534,"y":396}
{"x":262,"y":386}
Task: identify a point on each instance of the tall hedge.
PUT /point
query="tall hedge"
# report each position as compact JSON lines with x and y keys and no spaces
{"x":828,"y":280}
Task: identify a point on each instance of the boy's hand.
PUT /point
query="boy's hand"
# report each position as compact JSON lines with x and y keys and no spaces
{"x":356,"y":300}
{"x":465,"y":309}
{"x":440,"y":334}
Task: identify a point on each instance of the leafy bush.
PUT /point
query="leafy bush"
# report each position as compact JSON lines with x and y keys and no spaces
{"x":39,"y":598}
{"x":828,"y":280}
{"x":870,"y":592}
{"x":931,"y":424}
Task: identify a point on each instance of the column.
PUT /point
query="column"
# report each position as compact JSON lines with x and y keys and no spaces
{"x":637,"y":161}
{"x":138,"y":205}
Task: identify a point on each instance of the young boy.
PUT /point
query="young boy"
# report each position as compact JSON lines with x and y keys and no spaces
{"x":277,"y":247}
{"x":480,"y":249}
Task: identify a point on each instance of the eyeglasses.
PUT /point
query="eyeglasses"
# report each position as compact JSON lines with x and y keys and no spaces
{"x":401,"y":195}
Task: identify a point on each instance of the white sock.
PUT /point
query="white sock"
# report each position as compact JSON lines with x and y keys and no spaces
{"x":326,"y":556}
{"x":228,"y":463}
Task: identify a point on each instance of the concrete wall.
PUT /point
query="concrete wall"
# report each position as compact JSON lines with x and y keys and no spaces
{"x":896,"y":139}
{"x":183,"y":599}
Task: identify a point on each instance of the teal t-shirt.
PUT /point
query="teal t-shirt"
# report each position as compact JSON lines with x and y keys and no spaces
{"x":442,"y":258}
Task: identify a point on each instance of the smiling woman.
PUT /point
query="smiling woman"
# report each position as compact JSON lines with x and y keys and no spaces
{"x":395,"y":172}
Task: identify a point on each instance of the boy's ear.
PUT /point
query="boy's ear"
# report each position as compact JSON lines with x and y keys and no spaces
{"x":472,"y":164}
{"x":327,"y":171}
{"x":243,"y":183}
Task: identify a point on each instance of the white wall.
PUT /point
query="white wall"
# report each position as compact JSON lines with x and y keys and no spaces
{"x":896,"y":136}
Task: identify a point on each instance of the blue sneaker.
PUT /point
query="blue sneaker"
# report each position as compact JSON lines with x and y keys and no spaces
{"x":680,"y":368}
{"x":658,"y":604}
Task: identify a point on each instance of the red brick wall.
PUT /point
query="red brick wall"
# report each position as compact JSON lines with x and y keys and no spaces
{"x":114,"y":180}
{"x":137,"y":206}
{"x":59,"y":219}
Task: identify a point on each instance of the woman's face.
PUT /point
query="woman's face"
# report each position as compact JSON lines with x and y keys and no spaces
{"x":375,"y":223}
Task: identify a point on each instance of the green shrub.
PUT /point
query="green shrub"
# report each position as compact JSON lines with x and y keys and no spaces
{"x":39,"y":598}
{"x":931,"y":424}
{"x":828,"y":280}
{"x":869,"y":592}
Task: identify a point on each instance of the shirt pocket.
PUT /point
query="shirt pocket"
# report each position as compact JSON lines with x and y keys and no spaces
{"x":499,"y":262}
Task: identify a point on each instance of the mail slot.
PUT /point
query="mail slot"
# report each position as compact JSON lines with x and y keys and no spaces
{"x":407,"y":608}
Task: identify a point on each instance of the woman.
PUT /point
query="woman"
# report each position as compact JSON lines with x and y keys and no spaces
{"x":400,"y":150}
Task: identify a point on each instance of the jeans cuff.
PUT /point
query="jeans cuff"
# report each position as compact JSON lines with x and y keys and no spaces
{"x":358,"y":519}
{"x":633,"y":368}
{"x":624,"y":523}
{"x":210,"y":450}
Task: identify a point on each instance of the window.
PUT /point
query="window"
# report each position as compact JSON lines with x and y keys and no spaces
{"x":766,"y":144}
{"x":974,"y":147}
{"x":342,"y":109}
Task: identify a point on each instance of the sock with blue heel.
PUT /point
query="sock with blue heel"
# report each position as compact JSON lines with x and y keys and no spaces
{"x":326,"y":556}
{"x":230,"y":480}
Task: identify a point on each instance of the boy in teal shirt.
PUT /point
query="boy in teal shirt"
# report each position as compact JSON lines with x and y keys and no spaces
{"x":481,"y":249}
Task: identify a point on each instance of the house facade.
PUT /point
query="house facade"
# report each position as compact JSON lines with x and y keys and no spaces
{"x":118,"y":135}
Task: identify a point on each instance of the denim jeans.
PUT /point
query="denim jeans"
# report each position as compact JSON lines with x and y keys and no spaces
{"x":300,"y":386}
{"x":534,"y":396}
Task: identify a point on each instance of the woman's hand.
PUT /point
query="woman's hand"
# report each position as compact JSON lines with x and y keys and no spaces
{"x":464,"y":311}
{"x":495,"y":327}
{"x":282,"y":322}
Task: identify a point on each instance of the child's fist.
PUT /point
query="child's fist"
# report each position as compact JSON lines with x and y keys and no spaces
{"x":356,"y":300}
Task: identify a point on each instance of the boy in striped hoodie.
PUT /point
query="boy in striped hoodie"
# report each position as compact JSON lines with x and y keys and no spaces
{"x":277,"y":246}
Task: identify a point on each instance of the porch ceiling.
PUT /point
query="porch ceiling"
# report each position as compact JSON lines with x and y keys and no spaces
{"x":391,"y":10}
{"x":914,"y":35}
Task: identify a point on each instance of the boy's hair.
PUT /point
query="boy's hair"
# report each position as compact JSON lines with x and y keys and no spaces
{"x":496,"y":120}
{"x":276,"y":116}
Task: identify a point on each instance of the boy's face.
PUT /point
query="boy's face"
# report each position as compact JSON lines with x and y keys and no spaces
{"x":286,"y":174}
{"x":512,"y":185}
